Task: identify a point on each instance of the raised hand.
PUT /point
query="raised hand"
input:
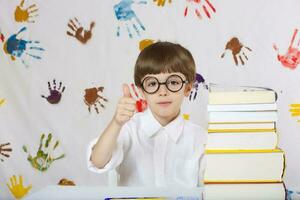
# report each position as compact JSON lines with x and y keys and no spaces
{"x":43,"y":158}
{"x":77,"y":31}
{"x":237,"y":50}
{"x":127,"y":18}
{"x":161,"y":2}
{"x":141,"y":104}
{"x":197,"y":4}
{"x":126,"y":107}
{"x":25,"y":14}
{"x":17,"y":188}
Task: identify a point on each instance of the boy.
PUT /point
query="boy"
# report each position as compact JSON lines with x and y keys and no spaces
{"x":156,"y":147}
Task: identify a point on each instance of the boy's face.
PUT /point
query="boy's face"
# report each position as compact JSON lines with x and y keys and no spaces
{"x":164,"y":93}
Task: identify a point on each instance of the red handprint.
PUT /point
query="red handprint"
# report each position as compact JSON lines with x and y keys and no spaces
{"x":198,"y":4}
{"x":141,"y":104}
{"x":292,"y":57}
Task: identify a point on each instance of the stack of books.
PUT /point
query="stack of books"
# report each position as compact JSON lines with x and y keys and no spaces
{"x":243,"y":160}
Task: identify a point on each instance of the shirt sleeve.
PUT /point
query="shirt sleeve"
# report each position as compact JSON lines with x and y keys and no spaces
{"x":123,"y":143}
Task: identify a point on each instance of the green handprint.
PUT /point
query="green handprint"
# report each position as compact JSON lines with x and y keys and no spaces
{"x":43,"y":158}
{"x":17,"y":188}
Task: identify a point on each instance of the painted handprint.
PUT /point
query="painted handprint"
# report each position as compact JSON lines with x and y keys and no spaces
{"x":295,"y":110}
{"x":141,"y":104}
{"x":77,"y":31}
{"x":236,"y":48}
{"x":161,"y":2}
{"x":55,"y":93}
{"x":43,"y":158}
{"x":198,"y":80}
{"x":16,"y":48}
{"x":127,"y":18}
{"x":66,"y":182}
{"x":17,"y":188}
{"x":144,"y":43}
{"x":25,"y":14}
{"x":4,"y":150}
{"x":2,"y":101}
{"x":292,"y":57}
{"x":92,"y":98}
{"x":197,"y":4}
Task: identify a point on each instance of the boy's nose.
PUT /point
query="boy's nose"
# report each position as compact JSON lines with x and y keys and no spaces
{"x":162,"y":91}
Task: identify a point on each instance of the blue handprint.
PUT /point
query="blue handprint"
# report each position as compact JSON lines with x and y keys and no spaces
{"x":198,"y":80}
{"x":127,"y":17}
{"x":17,"y":47}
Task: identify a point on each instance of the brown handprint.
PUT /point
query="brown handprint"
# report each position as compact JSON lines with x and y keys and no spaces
{"x":236,"y":48}
{"x":25,"y":14}
{"x":78,"y":32}
{"x":92,"y":97}
{"x":4,"y":150}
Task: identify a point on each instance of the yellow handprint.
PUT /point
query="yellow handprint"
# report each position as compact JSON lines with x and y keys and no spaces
{"x":24,"y":14}
{"x":2,"y":101}
{"x":161,"y":2}
{"x":295,"y":110}
{"x":16,"y":188}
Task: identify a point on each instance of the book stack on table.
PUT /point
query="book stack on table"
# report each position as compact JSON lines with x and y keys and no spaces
{"x":243,"y":160}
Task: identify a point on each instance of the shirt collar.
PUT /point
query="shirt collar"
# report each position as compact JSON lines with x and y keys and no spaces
{"x":151,"y":126}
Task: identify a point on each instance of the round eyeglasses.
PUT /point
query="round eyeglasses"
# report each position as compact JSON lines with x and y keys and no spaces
{"x":174,"y":83}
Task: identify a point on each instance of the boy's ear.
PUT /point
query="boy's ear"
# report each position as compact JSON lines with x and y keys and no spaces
{"x":188,"y":89}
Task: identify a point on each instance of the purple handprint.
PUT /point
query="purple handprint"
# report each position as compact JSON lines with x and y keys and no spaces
{"x":18,"y":47}
{"x":55,"y":94}
{"x":198,"y":80}
{"x":127,"y":17}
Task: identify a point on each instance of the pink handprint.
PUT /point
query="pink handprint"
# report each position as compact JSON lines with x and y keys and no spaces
{"x":197,"y":4}
{"x":292,"y":57}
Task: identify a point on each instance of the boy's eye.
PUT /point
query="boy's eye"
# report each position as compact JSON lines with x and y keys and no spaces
{"x":173,"y":82}
{"x":152,"y":83}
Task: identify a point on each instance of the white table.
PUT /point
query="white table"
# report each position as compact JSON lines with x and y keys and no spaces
{"x":55,"y":192}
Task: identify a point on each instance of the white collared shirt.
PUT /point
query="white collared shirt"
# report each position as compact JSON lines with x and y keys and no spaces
{"x":148,"y":154}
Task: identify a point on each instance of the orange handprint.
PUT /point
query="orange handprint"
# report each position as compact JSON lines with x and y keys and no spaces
{"x":24,"y":14}
{"x":161,"y":2}
{"x":78,"y":32}
{"x":16,"y":188}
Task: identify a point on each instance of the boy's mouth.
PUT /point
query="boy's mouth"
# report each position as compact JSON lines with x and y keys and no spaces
{"x":164,"y":103}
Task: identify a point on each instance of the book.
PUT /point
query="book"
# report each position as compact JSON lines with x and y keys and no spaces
{"x":244,"y":97}
{"x":264,"y":116}
{"x":240,"y":126}
{"x":248,"y":191}
{"x":228,"y":94}
{"x":242,"y":107}
{"x":244,"y":166}
{"x":258,"y":139}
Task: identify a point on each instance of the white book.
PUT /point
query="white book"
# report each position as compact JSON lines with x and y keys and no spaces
{"x":242,"y":107}
{"x":238,"y":166}
{"x":265,"y":116}
{"x":261,"y":191}
{"x":242,"y":140}
{"x":240,"y":126}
